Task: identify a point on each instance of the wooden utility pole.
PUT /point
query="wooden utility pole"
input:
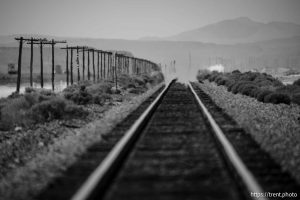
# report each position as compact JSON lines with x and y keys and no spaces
{"x":71,"y":67}
{"x":116,"y":76}
{"x":78,"y":49}
{"x":94,"y":74}
{"x":98,"y":70}
{"x":19,"y":63}
{"x":42,"y":64}
{"x":89,"y":75}
{"x":77,"y":62}
{"x":101,"y":65}
{"x":31,"y":61}
{"x":52,"y":43}
{"x":83,"y":63}
{"x":67,"y":65}
{"x":21,"y":40}
{"x":104,"y":75}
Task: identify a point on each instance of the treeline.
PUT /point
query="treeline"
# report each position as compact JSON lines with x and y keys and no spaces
{"x":261,"y":86}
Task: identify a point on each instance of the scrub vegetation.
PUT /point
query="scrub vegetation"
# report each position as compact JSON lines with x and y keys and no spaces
{"x":261,"y":86}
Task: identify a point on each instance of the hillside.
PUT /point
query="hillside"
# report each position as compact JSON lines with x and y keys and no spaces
{"x":239,"y":30}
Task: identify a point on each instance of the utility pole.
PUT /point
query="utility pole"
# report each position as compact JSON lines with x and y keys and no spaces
{"x":19,"y":63}
{"x":21,"y":40}
{"x":52,"y":43}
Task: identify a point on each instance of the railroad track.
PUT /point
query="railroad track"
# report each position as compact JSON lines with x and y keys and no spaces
{"x":180,"y":146}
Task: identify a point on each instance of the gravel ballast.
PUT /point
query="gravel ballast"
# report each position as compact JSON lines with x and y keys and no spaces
{"x":275,"y":127}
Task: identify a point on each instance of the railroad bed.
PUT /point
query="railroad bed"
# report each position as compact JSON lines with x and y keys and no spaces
{"x":174,"y":154}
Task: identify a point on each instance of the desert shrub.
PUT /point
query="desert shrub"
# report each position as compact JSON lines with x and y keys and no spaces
{"x":236,"y":87}
{"x":247,"y":89}
{"x":297,"y":82}
{"x":80,"y":97}
{"x":230,"y":85}
{"x":296,"y":98}
{"x":289,"y":89}
{"x":236,"y":72}
{"x":100,"y":88}
{"x":125,"y":80}
{"x":261,"y":95}
{"x":146,"y":77}
{"x":101,"y":98}
{"x":55,"y":108}
{"x":213,"y":77}
{"x":29,"y":90}
{"x":13,"y":113}
{"x":32,"y":98}
{"x":277,"y":98}
{"x":157,"y":77}
{"x":138,"y":90}
{"x":202,"y":75}
{"x":248,"y":76}
{"x":254,"y":93}
{"x":71,"y":88}
{"x":138,"y":81}
{"x":14,"y":95}
{"x":46,"y":92}
{"x":222,"y":81}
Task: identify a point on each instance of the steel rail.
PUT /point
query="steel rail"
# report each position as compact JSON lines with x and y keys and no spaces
{"x":97,"y":176}
{"x":231,"y":154}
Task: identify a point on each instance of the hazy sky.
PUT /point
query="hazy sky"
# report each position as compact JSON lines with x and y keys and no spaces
{"x":132,"y":19}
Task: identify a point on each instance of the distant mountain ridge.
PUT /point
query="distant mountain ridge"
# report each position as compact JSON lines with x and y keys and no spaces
{"x":233,"y":31}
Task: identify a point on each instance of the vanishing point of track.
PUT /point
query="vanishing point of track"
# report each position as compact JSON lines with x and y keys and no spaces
{"x":174,"y":149}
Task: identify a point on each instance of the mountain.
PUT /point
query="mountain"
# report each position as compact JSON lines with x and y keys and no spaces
{"x":239,"y":30}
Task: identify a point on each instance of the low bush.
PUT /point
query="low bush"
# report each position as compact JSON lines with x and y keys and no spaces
{"x":236,"y":72}
{"x":157,"y":77}
{"x":80,"y":97}
{"x":138,"y":90}
{"x":55,"y":108}
{"x":254,"y":93}
{"x":248,"y":76}
{"x":248,"y":89}
{"x":261,"y":95}
{"x":230,"y":85}
{"x":297,"y":82}
{"x":289,"y":89}
{"x":13,"y":113}
{"x":100,"y":88}
{"x":296,"y":98}
{"x":277,"y":98}
{"x":238,"y":85}
{"x":203,"y":75}
{"x":101,"y":98}
{"x":213,"y":76}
